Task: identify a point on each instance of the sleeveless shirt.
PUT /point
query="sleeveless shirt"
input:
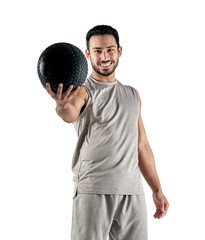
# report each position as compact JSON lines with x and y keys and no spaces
{"x":105,"y":159}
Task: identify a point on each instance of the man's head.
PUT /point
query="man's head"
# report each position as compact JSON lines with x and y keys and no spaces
{"x":103,"y":49}
{"x":102,"y":30}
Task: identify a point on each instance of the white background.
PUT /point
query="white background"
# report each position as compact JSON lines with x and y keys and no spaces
{"x":163,"y":58}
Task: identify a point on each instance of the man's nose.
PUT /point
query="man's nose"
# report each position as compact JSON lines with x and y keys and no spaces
{"x":104,"y":56}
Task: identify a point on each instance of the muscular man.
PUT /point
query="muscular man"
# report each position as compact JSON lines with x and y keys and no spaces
{"x":112,"y":149}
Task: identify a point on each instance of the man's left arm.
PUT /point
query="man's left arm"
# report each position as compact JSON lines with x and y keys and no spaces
{"x":148,"y":168}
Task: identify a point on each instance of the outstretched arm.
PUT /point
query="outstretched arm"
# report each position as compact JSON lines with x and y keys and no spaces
{"x":148,"y":168}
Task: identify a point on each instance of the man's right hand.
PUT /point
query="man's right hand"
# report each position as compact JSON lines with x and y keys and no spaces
{"x":68,"y":104}
{"x":62,"y":99}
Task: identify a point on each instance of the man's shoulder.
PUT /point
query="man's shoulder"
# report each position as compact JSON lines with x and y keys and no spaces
{"x":129,"y":86}
{"x":135,"y":91}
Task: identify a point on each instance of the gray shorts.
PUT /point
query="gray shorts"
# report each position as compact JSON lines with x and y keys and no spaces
{"x":97,"y":216}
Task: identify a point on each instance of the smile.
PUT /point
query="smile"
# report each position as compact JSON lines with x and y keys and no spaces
{"x":105,"y":65}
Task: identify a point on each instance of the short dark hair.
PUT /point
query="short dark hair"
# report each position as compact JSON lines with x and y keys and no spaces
{"x":102,"y":30}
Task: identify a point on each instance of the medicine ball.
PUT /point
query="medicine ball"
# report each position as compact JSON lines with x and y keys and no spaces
{"x":62,"y":63}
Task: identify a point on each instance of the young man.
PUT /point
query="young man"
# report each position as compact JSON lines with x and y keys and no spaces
{"x":112,"y":149}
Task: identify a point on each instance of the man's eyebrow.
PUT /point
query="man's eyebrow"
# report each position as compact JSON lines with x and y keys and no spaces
{"x":105,"y":47}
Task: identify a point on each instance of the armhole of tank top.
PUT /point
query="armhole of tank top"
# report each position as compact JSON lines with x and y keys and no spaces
{"x":89,"y":97}
{"x":85,"y":106}
{"x":138,"y":101}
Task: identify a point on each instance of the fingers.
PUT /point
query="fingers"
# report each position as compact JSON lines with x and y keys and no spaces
{"x":48,"y":88}
{"x":157,"y":213}
{"x":160,"y":212}
{"x":59,"y":93}
{"x":59,"y":90}
{"x":68,"y":91}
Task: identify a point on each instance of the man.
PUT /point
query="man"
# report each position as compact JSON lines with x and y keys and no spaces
{"x":112,"y":149}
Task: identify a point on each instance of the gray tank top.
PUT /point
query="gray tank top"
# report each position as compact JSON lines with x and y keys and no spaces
{"x":105,"y":160}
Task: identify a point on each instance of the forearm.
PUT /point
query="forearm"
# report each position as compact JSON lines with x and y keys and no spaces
{"x":148,"y":168}
{"x":68,"y":113}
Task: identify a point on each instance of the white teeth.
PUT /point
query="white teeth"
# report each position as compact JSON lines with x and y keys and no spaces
{"x":105,"y":64}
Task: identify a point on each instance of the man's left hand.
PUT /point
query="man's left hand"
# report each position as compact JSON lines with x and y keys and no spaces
{"x":161,"y":204}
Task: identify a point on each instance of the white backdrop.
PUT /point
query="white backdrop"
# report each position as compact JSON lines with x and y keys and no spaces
{"x":163,"y":58}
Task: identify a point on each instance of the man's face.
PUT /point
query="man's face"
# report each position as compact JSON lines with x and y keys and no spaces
{"x":103,"y":54}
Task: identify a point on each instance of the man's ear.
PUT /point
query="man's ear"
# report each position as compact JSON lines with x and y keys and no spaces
{"x":87,"y":53}
{"x":120,"y":51}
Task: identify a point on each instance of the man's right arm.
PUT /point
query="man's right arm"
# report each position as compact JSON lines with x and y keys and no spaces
{"x":71,"y":111}
{"x":70,"y":103}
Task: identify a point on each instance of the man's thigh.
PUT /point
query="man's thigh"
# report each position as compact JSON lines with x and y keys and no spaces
{"x":130,"y":220}
{"x":92,"y":216}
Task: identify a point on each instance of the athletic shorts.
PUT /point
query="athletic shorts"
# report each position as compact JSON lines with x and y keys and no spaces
{"x":99,"y":216}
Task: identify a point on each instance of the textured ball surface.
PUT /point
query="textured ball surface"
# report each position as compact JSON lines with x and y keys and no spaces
{"x":62,"y":63}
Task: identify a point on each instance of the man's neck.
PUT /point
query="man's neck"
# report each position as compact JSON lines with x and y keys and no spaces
{"x":101,"y":78}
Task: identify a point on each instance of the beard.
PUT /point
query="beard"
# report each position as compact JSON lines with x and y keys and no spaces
{"x":106,"y":72}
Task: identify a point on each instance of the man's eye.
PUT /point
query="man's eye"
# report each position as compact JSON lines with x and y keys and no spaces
{"x":111,"y":50}
{"x":97,"y":51}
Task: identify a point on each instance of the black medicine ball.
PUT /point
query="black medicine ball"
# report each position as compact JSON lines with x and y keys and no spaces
{"x":62,"y":63}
